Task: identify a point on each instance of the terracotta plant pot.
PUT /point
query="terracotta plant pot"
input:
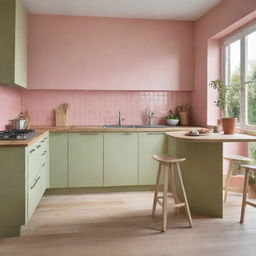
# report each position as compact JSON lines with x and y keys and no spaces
{"x":229,"y":125}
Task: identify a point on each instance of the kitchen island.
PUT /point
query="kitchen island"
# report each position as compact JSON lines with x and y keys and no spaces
{"x":203,"y":169}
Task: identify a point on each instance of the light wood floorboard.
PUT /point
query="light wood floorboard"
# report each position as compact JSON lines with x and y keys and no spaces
{"x":120,"y":224}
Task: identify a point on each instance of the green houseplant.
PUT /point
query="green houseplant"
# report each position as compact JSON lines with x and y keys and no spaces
{"x":227,"y":103}
{"x":172,"y":119}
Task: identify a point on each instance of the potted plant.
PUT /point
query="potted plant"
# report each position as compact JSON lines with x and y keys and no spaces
{"x":225,"y":101}
{"x":172,"y":119}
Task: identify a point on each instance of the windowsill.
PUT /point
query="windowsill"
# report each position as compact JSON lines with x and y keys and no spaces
{"x":249,"y":132}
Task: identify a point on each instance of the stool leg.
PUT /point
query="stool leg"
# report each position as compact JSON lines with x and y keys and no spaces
{"x":156,"y":190}
{"x":165,"y":195}
{"x":230,"y":170}
{"x":184,"y":194}
{"x":246,"y":178}
{"x":174,"y":189}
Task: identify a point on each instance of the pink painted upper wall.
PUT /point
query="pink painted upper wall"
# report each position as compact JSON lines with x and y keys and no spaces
{"x":10,"y":104}
{"x":89,"y":53}
{"x":225,"y":18}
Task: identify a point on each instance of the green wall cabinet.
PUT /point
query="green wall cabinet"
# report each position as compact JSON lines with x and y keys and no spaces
{"x":58,"y":160}
{"x":120,"y":159}
{"x":85,"y":159}
{"x":13,"y":43}
{"x":150,"y":143}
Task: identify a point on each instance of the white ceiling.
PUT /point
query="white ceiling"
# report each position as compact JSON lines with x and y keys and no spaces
{"x":146,"y":9}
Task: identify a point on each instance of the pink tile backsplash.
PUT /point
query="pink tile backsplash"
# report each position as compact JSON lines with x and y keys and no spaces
{"x":101,"y":107}
{"x":10,"y":101}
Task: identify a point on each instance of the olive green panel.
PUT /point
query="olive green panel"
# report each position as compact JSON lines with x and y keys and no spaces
{"x":150,"y":143}
{"x":58,"y":160}
{"x":7,"y":41}
{"x":85,"y":159}
{"x":12,"y":190}
{"x":20,"y":45}
{"x":120,"y":159}
{"x":202,"y":175}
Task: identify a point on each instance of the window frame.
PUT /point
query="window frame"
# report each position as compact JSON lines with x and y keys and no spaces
{"x":239,"y":35}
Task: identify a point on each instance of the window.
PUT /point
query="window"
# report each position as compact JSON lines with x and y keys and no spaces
{"x":239,"y":52}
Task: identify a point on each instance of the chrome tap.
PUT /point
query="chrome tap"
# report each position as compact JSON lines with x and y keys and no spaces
{"x":150,"y":115}
{"x":120,"y":118}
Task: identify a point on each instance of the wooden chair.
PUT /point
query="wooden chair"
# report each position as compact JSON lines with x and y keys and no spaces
{"x":233,"y":162}
{"x":248,"y":168}
{"x":169,"y":164}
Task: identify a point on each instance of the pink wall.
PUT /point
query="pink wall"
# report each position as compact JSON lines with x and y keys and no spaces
{"x":70,"y":52}
{"x":221,"y":20}
{"x":10,"y":103}
{"x":101,"y":107}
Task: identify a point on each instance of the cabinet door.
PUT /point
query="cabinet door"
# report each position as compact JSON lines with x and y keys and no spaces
{"x":120,"y":159}
{"x":85,"y":164}
{"x":58,"y":160}
{"x":150,"y":143}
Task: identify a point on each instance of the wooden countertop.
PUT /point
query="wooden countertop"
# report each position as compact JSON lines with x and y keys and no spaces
{"x":24,"y":143}
{"x":94,"y":128}
{"x":212,"y":137}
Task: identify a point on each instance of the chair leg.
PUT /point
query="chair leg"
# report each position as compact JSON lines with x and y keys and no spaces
{"x":230,"y":170}
{"x":165,"y":195}
{"x":174,"y":188}
{"x":184,"y":195}
{"x":156,"y":191}
{"x":246,"y":178}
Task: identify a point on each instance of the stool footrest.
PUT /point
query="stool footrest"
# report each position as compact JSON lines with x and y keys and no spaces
{"x":179,"y":205}
{"x":251,"y":203}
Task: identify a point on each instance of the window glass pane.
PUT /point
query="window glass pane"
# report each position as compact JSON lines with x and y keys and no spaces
{"x":251,"y":103}
{"x":233,"y":101}
{"x":250,"y":67}
{"x":232,"y":63}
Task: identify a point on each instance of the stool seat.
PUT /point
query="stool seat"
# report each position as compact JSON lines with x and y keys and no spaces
{"x":166,"y":159}
{"x":237,"y":158}
{"x":249,"y":166}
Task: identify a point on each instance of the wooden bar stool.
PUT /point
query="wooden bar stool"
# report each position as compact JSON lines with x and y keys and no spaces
{"x":248,"y":168}
{"x":233,"y":162}
{"x":169,"y":164}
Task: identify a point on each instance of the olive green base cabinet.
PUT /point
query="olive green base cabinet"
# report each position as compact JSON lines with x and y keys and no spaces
{"x":23,"y":180}
{"x":120,"y":159}
{"x":58,"y":160}
{"x":85,"y":159}
{"x":150,"y":143}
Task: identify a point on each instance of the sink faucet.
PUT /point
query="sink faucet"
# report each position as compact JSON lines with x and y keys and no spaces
{"x":120,"y":118}
{"x":150,"y":115}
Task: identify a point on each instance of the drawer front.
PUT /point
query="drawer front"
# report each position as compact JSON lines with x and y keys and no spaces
{"x":34,"y":161}
{"x":34,"y":194}
{"x":38,"y":155}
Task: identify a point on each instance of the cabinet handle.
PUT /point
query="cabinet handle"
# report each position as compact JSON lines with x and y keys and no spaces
{"x":38,"y":146}
{"x":32,"y":150}
{"x":89,"y":133}
{"x":34,"y":184}
{"x":127,"y":133}
{"x":43,"y":165}
{"x":155,"y":133}
{"x":44,"y":153}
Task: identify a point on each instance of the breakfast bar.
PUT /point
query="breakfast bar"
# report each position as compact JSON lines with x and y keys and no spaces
{"x":203,"y":169}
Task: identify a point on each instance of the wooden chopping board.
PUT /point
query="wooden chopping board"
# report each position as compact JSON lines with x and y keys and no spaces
{"x":61,"y":115}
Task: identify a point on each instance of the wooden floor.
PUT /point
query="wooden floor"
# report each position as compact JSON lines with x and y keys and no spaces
{"x":121,"y":224}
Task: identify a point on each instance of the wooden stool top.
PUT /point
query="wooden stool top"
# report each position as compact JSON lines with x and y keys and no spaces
{"x":237,"y":158}
{"x":249,"y":166}
{"x":166,"y":159}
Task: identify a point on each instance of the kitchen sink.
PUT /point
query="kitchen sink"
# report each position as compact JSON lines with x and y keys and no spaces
{"x":135,"y":126}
